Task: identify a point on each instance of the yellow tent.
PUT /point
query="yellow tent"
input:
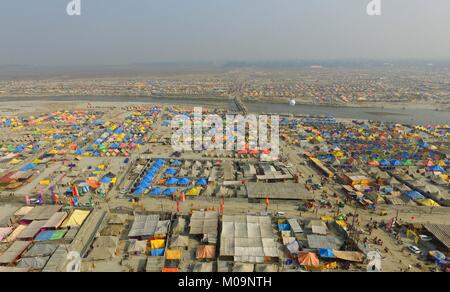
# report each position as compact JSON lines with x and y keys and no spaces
{"x":157,"y":243}
{"x":428,"y":202}
{"x":76,"y":219}
{"x":15,"y":161}
{"x":173,"y":254}
{"x":44,"y":182}
{"x":194,"y":191}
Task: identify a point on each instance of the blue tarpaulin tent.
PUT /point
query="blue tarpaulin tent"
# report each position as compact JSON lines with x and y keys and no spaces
{"x":326,"y":253}
{"x":183,"y":181}
{"x":106,"y":180}
{"x":157,"y":252}
{"x":176,"y":163}
{"x":414,"y":195}
{"x":284,"y":227}
{"x":202,"y":182}
{"x":155,"y":191}
{"x":28,"y":167}
{"x":169,"y":191}
{"x":172,"y":181}
{"x":170,"y":171}
{"x":437,"y":168}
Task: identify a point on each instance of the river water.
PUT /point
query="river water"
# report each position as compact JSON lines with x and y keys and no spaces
{"x":406,"y":116}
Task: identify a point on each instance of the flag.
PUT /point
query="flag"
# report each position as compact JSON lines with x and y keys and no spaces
{"x":75,"y":201}
{"x":75,"y":191}
{"x":222,"y":205}
{"x":267,"y":200}
{"x":55,"y":199}
{"x":178,"y":206}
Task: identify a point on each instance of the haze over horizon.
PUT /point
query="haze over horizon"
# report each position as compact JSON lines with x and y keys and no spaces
{"x":113,"y":32}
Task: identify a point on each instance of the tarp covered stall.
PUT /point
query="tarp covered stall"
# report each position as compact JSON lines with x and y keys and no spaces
{"x":42,"y":212}
{"x":144,"y":226}
{"x":34,"y":263}
{"x":4,"y":232}
{"x":55,"y":221}
{"x":154,"y":264}
{"x":6,"y":215}
{"x":14,"y":252}
{"x":50,"y":235}
{"x":41,"y":250}
{"x":76,"y":219}
{"x":179,"y":241}
{"x":24,"y":211}
{"x":137,"y":247}
{"x":32,"y":230}
{"x":295,"y":226}
{"x":323,"y":241}
{"x":16,"y":232}
{"x":247,"y":238}
{"x":206,"y":223}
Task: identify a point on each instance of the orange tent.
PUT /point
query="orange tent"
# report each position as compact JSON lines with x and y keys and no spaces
{"x":93,"y":183}
{"x":206,"y":252}
{"x":170,"y":270}
{"x":309,"y":259}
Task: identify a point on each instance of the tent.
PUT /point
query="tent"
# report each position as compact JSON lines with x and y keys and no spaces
{"x":169,"y":191}
{"x":201,"y":182}
{"x":183,"y":181}
{"x":326,"y":253}
{"x":137,"y":247}
{"x":50,"y":235}
{"x":309,"y":259}
{"x":170,"y":171}
{"x":437,"y":168}
{"x":157,"y":243}
{"x":76,"y":219}
{"x":172,"y":181}
{"x":156,"y":191}
{"x":179,"y":241}
{"x":414,"y":195}
{"x":205,"y":252}
{"x":194,"y":191}
{"x":159,"y":252}
{"x":427,"y":202}
{"x":173,"y":254}
{"x":284,"y":227}
{"x":176,"y":163}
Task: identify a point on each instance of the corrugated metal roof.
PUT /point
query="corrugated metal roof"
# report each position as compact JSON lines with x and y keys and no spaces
{"x":441,"y":232}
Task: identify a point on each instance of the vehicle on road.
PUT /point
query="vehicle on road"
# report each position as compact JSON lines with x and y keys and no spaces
{"x":414,"y":249}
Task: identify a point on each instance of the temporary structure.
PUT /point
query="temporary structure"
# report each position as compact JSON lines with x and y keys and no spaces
{"x":206,"y":252}
{"x":309,"y":259}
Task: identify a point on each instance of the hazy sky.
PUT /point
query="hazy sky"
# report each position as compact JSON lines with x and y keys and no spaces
{"x":128,"y":31}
